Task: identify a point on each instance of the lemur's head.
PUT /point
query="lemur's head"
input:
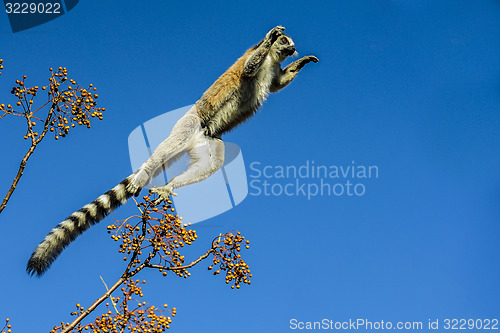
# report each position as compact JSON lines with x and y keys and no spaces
{"x":283,"y":47}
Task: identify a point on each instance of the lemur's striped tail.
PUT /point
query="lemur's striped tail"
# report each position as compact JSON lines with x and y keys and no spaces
{"x":66,"y":231}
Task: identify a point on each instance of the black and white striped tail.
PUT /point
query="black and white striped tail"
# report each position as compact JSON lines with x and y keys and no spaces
{"x":66,"y":231}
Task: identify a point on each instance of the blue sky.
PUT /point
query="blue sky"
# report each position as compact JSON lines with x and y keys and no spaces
{"x":412,"y":87}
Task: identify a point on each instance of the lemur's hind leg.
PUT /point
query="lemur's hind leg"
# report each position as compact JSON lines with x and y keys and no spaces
{"x":180,"y":140}
{"x":206,"y":158}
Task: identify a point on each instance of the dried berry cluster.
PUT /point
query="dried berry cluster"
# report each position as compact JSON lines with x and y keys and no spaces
{"x":154,"y":241}
{"x":161,"y":232}
{"x":1,"y":66}
{"x":77,"y":104}
{"x":69,"y":104}
{"x":228,"y":258}
{"x":7,"y":327}
{"x":127,"y":313}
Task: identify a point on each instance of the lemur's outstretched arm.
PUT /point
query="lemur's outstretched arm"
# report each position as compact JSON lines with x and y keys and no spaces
{"x":290,"y":72}
{"x":253,"y":63}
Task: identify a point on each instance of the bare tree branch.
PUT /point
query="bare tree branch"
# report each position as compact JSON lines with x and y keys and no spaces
{"x":162,"y":237}
{"x":70,"y":105}
{"x":32,"y":148}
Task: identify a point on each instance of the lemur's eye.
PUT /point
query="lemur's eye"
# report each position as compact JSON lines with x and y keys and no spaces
{"x":284,"y":40}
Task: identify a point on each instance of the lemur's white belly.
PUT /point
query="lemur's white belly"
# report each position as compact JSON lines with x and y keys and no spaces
{"x":264,"y":78}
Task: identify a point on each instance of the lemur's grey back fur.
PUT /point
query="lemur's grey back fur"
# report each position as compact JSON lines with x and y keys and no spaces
{"x":75,"y":224}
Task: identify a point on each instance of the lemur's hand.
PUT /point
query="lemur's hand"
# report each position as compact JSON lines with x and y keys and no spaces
{"x":308,"y":59}
{"x":274,"y":33}
{"x":299,"y":64}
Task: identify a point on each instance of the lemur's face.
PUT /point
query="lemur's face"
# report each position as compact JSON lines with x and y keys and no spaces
{"x":283,"y":47}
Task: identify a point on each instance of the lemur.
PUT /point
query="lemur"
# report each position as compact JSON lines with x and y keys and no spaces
{"x":233,"y":98}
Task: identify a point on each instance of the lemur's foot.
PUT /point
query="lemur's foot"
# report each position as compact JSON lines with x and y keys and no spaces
{"x":163,"y":193}
{"x":137,"y":183}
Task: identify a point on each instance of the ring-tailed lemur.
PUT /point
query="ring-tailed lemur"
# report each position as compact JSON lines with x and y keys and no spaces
{"x":233,"y":98}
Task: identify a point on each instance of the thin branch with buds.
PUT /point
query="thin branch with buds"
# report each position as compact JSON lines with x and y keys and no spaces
{"x":69,"y":106}
{"x":162,"y":232}
{"x":31,"y":150}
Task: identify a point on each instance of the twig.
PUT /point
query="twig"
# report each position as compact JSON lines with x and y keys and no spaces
{"x":181,"y":267}
{"x":111,"y":298}
{"x":94,"y":305}
{"x":126,"y":275}
{"x":22,"y":165}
